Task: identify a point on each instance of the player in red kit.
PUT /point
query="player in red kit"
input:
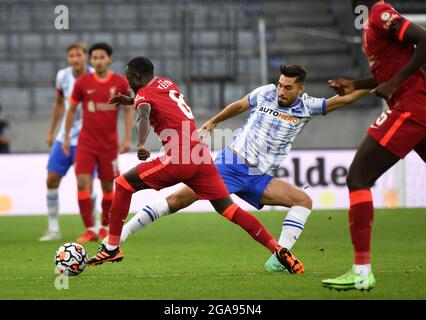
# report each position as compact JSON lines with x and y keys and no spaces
{"x":98,"y":141}
{"x":159,"y":101}
{"x":396,"y":51}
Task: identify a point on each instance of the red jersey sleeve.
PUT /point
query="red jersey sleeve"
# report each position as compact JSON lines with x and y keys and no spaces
{"x":77,"y":92}
{"x":142,"y":97}
{"x":388,"y":22}
{"x":124,"y":88}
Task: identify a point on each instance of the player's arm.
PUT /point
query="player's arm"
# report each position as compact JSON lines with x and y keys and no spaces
{"x":69,"y":120}
{"x":142,"y":128}
{"x":126,"y":144}
{"x":74,"y":99}
{"x":410,"y":33}
{"x":345,"y":86}
{"x":232,"y":110}
{"x":338,"y":102}
{"x":58,"y":109}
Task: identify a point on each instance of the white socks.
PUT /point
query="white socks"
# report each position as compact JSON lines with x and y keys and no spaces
{"x":362,"y":269}
{"x":144,"y":217}
{"x":53,"y":209}
{"x":293,"y":226}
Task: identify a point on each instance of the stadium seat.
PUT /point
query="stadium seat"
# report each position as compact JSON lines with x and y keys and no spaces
{"x":15,"y":102}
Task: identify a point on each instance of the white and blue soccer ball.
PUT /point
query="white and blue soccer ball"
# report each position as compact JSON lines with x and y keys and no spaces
{"x":71,"y":259}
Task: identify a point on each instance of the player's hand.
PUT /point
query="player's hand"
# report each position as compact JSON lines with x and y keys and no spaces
{"x":206,"y":129}
{"x":385,"y":90}
{"x":49,"y":139}
{"x":143,"y":154}
{"x":125,"y":146}
{"x":121,"y":99}
{"x":342,"y":86}
{"x":66,"y":147}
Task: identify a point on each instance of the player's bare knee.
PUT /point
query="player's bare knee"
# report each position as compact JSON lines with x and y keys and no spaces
{"x":305,"y":201}
{"x":53,"y":182}
{"x":107,"y":186}
{"x":83,"y":184}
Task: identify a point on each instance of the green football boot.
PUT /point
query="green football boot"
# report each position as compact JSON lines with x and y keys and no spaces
{"x":351,"y":281}
{"x":273,"y":265}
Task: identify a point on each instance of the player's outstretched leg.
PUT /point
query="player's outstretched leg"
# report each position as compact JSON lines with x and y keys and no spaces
{"x":125,"y":186}
{"x":258,"y":232}
{"x":362,"y":175}
{"x":281,"y":193}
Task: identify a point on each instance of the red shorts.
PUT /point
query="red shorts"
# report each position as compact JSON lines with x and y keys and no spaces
{"x":86,"y":160}
{"x":203,"y":178}
{"x":399,"y":133}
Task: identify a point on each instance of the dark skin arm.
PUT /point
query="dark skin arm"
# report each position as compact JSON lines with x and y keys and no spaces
{"x":415,"y":35}
{"x":142,"y":122}
{"x":142,"y":126}
{"x":344,"y":87}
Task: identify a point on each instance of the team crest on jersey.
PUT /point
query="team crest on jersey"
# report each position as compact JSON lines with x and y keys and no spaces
{"x":112,"y":91}
{"x":389,"y":20}
{"x":385,"y":16}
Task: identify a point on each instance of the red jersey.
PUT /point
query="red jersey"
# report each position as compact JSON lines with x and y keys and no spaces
{"x":99,"y":129}
{"x":388,"y":54}
{"x":168,"y":111}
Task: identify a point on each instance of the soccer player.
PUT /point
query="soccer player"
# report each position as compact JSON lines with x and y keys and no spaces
{"x":98,"y":140}
{"x":159,"y":101}
{"x":396,"y":51}
{"x":278,"y":113}
{"x":58,"y":163}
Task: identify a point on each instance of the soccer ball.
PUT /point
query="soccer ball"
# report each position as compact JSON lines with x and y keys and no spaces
{"x":71,"y":259}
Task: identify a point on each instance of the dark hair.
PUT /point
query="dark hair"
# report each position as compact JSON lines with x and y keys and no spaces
{"x":294,"y":71}
{"x":101,"y":46}
{"x":142,"y":65}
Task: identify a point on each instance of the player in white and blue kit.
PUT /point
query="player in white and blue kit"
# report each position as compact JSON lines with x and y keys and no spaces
{"x":278,"y":113}
{"x":58,"y":163}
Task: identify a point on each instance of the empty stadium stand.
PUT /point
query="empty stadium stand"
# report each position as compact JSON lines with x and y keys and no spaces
{"x":211,"y":48}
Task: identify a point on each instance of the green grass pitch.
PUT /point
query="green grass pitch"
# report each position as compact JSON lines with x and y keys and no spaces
{"x":203,"y":256}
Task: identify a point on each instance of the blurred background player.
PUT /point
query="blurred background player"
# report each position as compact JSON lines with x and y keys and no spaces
{"x":186,"y":159}
{"x":278,"y":114}
{"x":396,"y":51}
{"x":98,"y":140}
{"x":5,"y":136}
{"x":59,"y":163}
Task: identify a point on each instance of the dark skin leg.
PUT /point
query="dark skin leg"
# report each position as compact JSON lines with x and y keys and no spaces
{"x":133,"y":179}
{"x":220,"y":205}
{"x":370,"y":163}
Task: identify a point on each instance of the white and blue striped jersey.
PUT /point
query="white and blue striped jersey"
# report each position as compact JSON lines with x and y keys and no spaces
{"x":65,"y":80}
{"x":267,"y":137}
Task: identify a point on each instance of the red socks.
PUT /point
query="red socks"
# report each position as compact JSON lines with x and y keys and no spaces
{"x":252,"y":225}
{"x":86,"y":208}
{"x":361,"y":215}
{"x":106,"y":206}
{"x":119,"y":210}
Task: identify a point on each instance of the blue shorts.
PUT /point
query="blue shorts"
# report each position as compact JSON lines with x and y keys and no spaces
{"x":240,"y":178}
{"x":58,"y":162}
